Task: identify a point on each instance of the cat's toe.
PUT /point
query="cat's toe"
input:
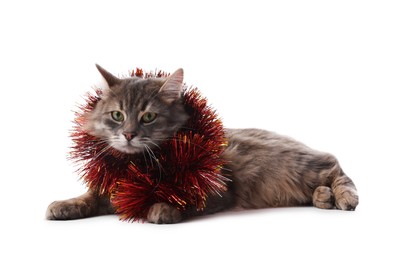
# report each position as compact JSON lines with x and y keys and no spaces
{"x":162,"y":213}
{"x":66,"y":210}
{"x":323,"y":198}
{"x":347,"y":201}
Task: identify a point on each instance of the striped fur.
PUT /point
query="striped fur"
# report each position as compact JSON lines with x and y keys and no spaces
{"x":267,"y":169}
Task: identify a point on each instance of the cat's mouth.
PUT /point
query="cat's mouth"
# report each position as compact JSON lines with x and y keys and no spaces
{"x":127,"y":147}
{"x":133,"y":146}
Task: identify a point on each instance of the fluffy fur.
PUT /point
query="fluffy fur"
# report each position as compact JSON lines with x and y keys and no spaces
{"x":267,"y":169}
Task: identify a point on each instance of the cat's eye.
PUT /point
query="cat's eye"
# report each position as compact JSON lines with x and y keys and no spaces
{"x":148,"y":117}
{"x":117,"y":116}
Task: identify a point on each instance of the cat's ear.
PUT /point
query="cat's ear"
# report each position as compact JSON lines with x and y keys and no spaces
{"x":173,"y":86}
{"x":109,"y":77}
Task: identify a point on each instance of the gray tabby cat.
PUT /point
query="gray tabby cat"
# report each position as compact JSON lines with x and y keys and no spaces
{"x":267,"y":169}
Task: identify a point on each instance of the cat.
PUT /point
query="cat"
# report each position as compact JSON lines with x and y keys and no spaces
{"x":267,"y":169}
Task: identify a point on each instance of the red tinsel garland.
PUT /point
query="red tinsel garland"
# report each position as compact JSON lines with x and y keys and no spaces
{"x":186,"y":170}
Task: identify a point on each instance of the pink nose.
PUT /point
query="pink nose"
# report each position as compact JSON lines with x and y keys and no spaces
{"x":129,"y":136}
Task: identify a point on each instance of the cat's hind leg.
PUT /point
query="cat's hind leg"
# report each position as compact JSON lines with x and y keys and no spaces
{"x":323,"y":198}
{"x":335,"y":187}
{"x":345,"y":193}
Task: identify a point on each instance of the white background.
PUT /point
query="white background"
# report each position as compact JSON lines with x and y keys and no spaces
{"x":325,"y":72}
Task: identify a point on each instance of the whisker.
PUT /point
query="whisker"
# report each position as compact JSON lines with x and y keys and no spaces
{"x":180,"y":140}
{"x":102,"y":152}
{"x":152,"y":156}
{"x":145,"y":159}
{"x":160,"y":169}
{"x":149,"y":154}
{"x":153,"y":143}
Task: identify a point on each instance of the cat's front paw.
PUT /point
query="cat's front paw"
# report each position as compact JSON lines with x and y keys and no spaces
{"x":67,"y":209}
{"x":163,"y":213}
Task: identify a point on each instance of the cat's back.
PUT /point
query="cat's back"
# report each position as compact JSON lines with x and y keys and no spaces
{"x":246,"y":140}
{"x":252,"y":149}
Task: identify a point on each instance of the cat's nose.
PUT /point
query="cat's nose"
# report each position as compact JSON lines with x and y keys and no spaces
{"x":129,"y":135}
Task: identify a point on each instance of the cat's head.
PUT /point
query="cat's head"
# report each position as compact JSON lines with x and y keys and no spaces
{"x":136,"y":114}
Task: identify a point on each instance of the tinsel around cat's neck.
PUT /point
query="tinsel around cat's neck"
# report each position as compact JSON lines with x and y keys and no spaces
{"x":186,"y":169}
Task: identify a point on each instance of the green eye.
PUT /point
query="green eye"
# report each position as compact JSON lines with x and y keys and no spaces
{"x":117,"y":116}
{"x":148,"y":117}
